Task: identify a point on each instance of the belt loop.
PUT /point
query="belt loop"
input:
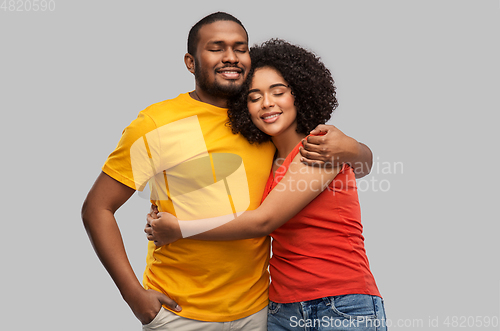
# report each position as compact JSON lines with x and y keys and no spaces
{"x":327,"y":301}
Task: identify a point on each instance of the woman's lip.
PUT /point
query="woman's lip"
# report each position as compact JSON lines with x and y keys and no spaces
{"x":270,"y":117}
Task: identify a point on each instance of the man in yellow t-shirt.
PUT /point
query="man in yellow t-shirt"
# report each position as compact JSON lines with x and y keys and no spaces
{"x":196,"y":168}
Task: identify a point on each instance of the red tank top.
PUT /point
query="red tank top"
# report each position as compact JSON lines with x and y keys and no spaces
{"x":320,"y":252}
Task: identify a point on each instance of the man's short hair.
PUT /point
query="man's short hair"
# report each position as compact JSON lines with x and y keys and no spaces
{"x":194,"y":37}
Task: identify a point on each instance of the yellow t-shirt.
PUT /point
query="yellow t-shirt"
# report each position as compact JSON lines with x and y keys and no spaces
{"x":196,"y":169}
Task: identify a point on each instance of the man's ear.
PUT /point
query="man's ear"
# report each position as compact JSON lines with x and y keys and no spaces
{"x":189,"y":61}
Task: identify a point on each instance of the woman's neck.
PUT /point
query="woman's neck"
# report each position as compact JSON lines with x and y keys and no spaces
{"x":285,"y":143}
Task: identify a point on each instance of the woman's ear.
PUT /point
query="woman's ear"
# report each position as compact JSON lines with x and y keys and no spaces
{"x":189,"y":61}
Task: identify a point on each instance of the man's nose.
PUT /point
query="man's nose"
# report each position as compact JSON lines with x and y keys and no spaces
{"x":230,"y":56}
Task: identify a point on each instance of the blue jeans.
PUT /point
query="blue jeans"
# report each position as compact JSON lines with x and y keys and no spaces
{"x":351,"y":312}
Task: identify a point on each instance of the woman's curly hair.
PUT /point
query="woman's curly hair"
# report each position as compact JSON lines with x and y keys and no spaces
{"x":310,"y":81}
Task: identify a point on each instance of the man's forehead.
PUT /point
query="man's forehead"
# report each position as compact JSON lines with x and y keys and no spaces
{"x":223,"y":32}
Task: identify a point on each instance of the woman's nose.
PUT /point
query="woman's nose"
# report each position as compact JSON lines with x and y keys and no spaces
{"x":267,"y":101}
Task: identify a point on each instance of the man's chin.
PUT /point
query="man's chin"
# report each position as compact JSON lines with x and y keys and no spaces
{"x":227,"y":90}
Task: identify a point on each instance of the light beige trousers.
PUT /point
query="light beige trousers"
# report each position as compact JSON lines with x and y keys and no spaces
{"x":166,"y":321}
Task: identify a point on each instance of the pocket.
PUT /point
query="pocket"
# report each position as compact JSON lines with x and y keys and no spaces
{"x":157,"y":321}
{"x":273,"y":307}
{"x":354,"y":306}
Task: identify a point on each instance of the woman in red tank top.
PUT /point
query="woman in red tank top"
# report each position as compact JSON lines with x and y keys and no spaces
{"x":320,"y":274}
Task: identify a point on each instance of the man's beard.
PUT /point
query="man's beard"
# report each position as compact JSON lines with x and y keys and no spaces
{"x":215,"y":89}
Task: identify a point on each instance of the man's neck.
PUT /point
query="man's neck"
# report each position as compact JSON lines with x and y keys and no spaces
{"x":201,"y":96}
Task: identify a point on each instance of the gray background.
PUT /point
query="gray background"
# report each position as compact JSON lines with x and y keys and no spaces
{"x":418,"y":81}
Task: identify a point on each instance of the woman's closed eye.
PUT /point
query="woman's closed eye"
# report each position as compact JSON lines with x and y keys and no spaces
{"x":279,"y":90}
{"x":254,"y":97}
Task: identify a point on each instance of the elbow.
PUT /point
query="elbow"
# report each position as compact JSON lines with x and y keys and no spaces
{"x":85,"y":213}
{"x":369,"y":165}
{"x":261,"y":233}
{"x":264,"y":228}
{"x":89,"y":213}
{"x":362,"y":169}
{"x":365,"y":161}
{"x":369,"y":162}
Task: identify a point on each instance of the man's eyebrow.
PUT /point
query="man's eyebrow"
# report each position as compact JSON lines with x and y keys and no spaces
{"x":216,"y":42}
{"x":222,"y":42}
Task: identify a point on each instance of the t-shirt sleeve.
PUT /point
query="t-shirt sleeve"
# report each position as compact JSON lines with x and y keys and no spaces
{"x":131,"y":162}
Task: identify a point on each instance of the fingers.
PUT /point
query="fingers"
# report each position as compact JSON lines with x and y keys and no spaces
{"x":310,"y":158}
{"x":153,"y":209}
{"x":149,"y":234}
{"x":162,"y":230}
{"x":148,"y":229}
{"x":165,"y":300}
{"x":314,"y":140}
{"x":318,"y":149}
{"x":315,"y":148}
{"x":322,"y":129}
{"x":311,"y":155}
{"x":317,"y":160}
{"x":315,"y":152}
{"x":320,"y":164}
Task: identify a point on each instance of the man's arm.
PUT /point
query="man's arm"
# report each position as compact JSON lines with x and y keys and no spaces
{"x":252,"y":223}
{"x":103,"y":199}
{"x":334,"y":147}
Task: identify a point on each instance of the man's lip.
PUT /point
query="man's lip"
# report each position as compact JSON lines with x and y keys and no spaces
{"x":236,"y":69}
{"x":230,"y":73}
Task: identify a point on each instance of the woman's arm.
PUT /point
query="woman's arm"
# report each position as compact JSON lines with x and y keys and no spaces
{"x":300,"y":185}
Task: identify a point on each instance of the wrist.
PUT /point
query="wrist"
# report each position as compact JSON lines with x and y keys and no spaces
{"x":175,"y":228}
{"x":130,"y":293}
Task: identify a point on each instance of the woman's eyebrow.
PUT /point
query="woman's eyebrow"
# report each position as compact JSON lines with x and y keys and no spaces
{"x":271,"y":87}
{"x":254,"y":90}
{"x":278,"y":84}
